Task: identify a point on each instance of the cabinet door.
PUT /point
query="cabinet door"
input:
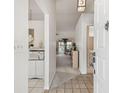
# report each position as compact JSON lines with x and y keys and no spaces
{"x":31,"y":70}
{"x":39,"y":69}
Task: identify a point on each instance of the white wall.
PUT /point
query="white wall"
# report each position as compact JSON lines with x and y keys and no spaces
{"x":52,"y":47}
{"x":21,"y":46}
{"x":49,"y":10}
{"x":80,"y":38}
{"x":38,"y":27}
{"x":65,"y":34}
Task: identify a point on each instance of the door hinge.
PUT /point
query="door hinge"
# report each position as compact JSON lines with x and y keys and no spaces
{"x":94,"y":71}
{"x":107,"y":25}
{"x":94,"y":53}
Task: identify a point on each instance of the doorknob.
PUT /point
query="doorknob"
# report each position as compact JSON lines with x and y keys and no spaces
{"x":94,"y":71}
{"x":94,"y":59}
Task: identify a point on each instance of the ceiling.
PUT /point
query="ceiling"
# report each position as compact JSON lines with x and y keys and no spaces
{"x":66,"y":13}
{"x":35,"y":12}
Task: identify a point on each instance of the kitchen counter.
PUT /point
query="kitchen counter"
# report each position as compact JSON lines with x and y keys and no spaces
{"x":36,"y":54}
{"x":36,"y":49}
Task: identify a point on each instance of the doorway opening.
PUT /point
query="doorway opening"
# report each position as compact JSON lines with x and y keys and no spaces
{"x":36,"y":47}
{"x":64,"y":46}
{"x":90,"y":49}
{"x":65,"y":67}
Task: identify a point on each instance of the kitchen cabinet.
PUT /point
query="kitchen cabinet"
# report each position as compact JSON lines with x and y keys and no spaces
{"x":36,"y":63}
{"x":39,"y":69}
{"x":36,"y":69}
{"x":31,"y":69}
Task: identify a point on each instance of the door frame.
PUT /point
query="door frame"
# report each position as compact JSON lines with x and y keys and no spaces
{"x":87,"y":45}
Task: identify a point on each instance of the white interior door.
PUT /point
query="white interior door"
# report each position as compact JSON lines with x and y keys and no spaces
{"x":101,"y":65}
{"x":21,"y":46}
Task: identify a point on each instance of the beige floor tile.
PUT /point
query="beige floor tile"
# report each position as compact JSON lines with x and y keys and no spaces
{"x":81,"y":81}
{"x":88,"y":82}
{"x":89,"y":85}
{"x":69,"y":81}
{"x":46,"y":91}
{"x":61,"y":86}
{"x":80,"y":78}
{"x":86,"y":79}
{"x":68,"y":85}
{"x":32,"y":83}
{"x":91,"y":78}
{"x":37,"y":90}
{"x":52,"y":91}
{"x":74,"y":81}
{"x":77,"y":77}
{"x":68,"y":91}
{"x":84,"y":91}
{"x":75,"y":85}
{"x":39,"y":85}
{"x":60,"y":90}
{"x":29,"y":90}
{"x":61,"y":78}
{"x":40,"y":81}
{"x":76,"y":91}
{"x":82,"y":85}
{"x":90,"y":90}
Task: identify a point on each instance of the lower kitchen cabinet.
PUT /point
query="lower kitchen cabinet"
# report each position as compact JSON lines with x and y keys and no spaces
{"x":36,"y":69}
{"x":31,"y":69}
{"x":39,"y":69}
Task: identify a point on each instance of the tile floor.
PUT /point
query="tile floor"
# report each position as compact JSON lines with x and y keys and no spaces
{"x":79,"y":84}
{"x":64,"y":71}
{"x":35,"y":86}
{"x":67,"y":80}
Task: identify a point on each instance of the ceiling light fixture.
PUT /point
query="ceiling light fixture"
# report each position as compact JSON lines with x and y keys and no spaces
{"x":81,"y":5}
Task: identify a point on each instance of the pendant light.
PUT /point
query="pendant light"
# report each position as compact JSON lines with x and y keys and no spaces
{"x":81,"y":5}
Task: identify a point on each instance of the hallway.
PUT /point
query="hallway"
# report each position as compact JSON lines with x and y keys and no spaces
{"x":64,"y":70}
{"x":66,"y":80}
{"x":69,"y":80}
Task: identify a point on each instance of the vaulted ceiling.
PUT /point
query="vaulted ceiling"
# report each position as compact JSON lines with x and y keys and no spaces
{"x":35,"y":12}
{"x":66,"y":13}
